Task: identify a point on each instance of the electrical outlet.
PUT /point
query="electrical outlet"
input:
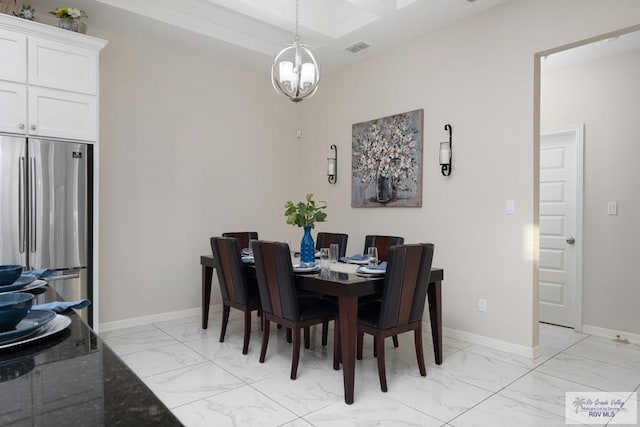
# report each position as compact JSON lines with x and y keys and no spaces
{"x":482,"y":304}
{"x":298,"y":133}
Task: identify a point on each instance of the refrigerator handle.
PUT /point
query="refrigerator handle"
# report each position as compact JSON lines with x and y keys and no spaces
{"x":32,"y":207}
{"x":22,"y":238}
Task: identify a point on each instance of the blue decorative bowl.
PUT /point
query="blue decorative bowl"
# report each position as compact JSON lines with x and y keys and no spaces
{"x":13,"y":308}
{"x":9,"y":274}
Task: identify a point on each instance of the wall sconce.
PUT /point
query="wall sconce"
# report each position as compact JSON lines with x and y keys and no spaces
{"x":332,"y":165}
{"x":446,"y":153}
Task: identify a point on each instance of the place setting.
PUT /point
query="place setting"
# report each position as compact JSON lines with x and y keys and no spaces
{"x":14,"y":279}
{"x":305,"y":268}
{"x":21,"y":321}
{"x":372,"y":267}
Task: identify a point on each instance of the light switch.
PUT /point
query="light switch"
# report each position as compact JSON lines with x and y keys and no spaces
{"x":510,"y":207}
{"x":612,"y":208}
{"x":298,"y":133}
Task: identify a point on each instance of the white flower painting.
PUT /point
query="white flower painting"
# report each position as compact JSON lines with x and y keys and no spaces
{"x":387,"y":161}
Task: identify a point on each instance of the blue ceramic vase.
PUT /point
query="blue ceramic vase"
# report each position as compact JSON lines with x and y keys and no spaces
{"x":307,"y":249}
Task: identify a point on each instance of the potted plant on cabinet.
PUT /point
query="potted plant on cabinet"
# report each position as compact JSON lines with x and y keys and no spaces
{"x":305,"y":214}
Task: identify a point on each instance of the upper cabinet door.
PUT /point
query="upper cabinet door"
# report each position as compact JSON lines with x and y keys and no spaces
{"x":13,"y":56}
{"x":62,"y":114}
{"x":62,"y":66}
{"x":13,"y":107}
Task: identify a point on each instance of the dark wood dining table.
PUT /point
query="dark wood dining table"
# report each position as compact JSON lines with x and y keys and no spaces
{"x":347,"y":288}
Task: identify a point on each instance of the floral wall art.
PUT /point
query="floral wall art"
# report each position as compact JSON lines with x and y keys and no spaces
{"x":387,"y":161}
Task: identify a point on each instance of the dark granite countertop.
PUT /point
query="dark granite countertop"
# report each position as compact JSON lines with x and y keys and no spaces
{"x":74,"y":379}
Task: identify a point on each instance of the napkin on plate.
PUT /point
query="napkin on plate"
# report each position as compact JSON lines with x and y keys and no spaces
{"x":43,"y":273}
{"x":382,"y":266}
{"x":356,"y":257}
{"x":61,"y":306}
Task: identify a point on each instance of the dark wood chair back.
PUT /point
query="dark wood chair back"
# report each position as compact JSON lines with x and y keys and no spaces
{"x":237,"y":291}
{"x":228,"y":264}
{"x":383,"y":243}
{"x":242,"y":236}
{"x":324,"y":240}
{"x":276,"y":281}
{"x":405,"y":287}
{"x":281,"y":304}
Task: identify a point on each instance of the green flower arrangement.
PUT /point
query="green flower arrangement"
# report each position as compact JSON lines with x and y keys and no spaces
{"x":305,"y":214}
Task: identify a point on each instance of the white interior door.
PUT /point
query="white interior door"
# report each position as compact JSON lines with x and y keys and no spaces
{"x":560,"y":287}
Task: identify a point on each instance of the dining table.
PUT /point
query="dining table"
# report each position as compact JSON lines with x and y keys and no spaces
{"x":341,"y":281}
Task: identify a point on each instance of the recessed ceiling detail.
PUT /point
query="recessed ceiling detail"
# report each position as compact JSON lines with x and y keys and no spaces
{"x":264,"y":26}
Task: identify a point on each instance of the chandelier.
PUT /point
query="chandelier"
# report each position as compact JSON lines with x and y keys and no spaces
{"x":295,"y":72}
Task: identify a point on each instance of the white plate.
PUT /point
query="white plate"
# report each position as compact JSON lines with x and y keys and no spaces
{"x":366,"y":270}
{"x":361,"y":262}
{"x":31,"y":286}
{"x":58,"y":324}
{"x":248,"y":259}
{"x":298,"y":269}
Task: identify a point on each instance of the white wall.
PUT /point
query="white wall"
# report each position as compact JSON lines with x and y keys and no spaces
{"x":478,"y":75}
{"x":603,"y":94}
{"x":190,"y":148}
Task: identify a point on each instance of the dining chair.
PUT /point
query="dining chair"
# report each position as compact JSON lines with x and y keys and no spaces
{"x":402,"y":305}
{"x":236,"y":290}
{"x":324,"y":240}
{"x":383,"y":243}
{"x":281,"y":303}
{"x":243,"y":237}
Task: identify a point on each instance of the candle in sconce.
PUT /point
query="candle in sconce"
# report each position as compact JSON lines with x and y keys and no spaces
{"x":331,"y":166}
{"x":445,"y":153}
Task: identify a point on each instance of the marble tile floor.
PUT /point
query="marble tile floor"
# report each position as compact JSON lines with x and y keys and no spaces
{"x":208,"y":383}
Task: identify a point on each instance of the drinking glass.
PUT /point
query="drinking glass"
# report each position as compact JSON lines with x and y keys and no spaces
{"x":334,"y":253}
{"x":324,"y":259}
{"x":250,"y":251}
{"x":372,"y":251}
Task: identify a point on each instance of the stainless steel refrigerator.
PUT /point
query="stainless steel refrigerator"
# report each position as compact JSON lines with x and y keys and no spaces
{"x":46,"y":211}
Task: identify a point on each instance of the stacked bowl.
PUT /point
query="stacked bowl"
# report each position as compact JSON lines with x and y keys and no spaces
{"x":13,"y":306}
{"x":9,"y":274}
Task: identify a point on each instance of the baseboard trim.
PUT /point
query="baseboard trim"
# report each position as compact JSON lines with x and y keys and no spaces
{"x":152,"y":318}
{"x":610,"y":333}
{"x":518,"y":350}
{"x":506,"y":346}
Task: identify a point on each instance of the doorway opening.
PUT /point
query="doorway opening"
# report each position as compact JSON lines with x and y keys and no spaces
{"x":585,"y":94}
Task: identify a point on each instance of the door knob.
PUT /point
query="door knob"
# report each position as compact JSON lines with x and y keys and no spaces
{"x":33,"y":127}
{"x":571,"y":240}
{"x":21,"y":126}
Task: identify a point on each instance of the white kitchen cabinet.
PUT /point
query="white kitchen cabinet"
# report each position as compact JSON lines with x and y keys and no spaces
{"x":13,"y":56}
{"x":62,"y":66}
{"x":13,"y":107}
{"x":48,"y":81}
{"x":62,"y":114}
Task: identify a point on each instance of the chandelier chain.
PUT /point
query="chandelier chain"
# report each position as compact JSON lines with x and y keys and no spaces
{"x":297,"y":6}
